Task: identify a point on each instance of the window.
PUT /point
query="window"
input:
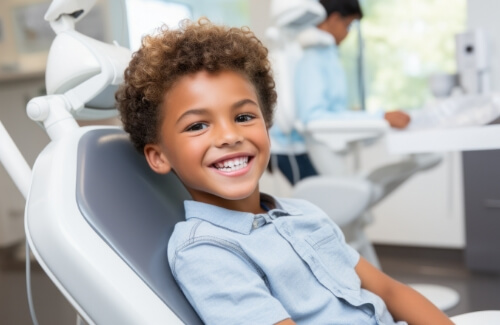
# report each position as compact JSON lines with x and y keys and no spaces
{"x":229,"y":12}
{"x":404,"y":43}
{"x":145,"y":16}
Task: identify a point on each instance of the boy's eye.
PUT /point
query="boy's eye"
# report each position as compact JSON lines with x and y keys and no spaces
{"x":244,"y":118}
{"x":196,"y":127}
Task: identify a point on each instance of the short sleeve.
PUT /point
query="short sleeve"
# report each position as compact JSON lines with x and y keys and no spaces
{"x":223,"y":285}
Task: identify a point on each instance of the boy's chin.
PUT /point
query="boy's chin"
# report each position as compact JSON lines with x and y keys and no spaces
{"x":238,"y":195}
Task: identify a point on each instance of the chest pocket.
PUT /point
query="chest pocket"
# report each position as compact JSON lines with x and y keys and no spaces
{"x":334,"y":267}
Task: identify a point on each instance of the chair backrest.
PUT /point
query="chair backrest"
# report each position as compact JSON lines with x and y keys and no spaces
{"x":133,"y":209}
{"x":98,"y":220}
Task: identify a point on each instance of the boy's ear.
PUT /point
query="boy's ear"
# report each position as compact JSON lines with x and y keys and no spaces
{"x":156,"y":159}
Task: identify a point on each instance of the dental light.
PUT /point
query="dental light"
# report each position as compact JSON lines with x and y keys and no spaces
{"x":84,"y":90}
{"x":293,"y":13}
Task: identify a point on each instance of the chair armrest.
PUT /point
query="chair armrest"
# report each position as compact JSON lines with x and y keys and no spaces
{"x":343,"y":199}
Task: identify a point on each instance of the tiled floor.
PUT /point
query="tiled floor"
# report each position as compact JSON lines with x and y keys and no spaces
{"x":478,"y":291}
{"x":446,"y":267}
{"x":50,"y":305}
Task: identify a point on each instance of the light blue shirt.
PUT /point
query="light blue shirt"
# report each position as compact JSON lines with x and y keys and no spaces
{"x":240,"y":268}
{"x":320,"y":89}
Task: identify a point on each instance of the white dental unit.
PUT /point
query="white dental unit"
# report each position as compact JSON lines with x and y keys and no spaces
{"x":97,"y":218}
{"x":470,"y":111}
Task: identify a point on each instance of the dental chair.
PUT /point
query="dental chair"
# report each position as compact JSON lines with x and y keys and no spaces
{"x":101,"y":231}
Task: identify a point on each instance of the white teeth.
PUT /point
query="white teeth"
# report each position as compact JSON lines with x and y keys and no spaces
{"x":232,"y":164}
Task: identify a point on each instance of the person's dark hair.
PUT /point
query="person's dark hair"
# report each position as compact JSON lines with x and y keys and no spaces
{"x":170,"y":54}
{"x":344,"y":7}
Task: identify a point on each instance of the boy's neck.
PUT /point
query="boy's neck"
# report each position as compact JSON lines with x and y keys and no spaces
{"x":249,"y":204}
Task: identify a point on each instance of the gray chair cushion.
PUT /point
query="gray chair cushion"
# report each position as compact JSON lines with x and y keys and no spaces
{"x":133,"y":209}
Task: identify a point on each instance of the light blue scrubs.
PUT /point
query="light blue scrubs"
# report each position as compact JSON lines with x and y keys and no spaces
{"x":320,"y":92}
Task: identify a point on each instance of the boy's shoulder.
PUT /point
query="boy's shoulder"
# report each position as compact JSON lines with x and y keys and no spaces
{"x":201,"y":220}
{"x":185,"y":229}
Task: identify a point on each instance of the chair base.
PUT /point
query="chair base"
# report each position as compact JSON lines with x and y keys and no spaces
{"x":484,"y":317}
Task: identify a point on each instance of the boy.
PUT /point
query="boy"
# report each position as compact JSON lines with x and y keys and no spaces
{"x":198,"y":101}
{"x":320,"y":87}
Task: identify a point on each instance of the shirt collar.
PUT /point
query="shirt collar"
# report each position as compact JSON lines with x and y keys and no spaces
{"x":241,"y":222}
{"x":313,"y":36}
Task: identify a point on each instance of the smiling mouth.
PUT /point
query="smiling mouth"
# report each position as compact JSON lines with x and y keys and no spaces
{"x":231,"y":165}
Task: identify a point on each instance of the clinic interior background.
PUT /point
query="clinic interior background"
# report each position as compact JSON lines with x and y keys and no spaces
{"x":404,"y":43}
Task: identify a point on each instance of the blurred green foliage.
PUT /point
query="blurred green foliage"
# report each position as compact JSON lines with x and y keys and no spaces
{"x":405,"y":41}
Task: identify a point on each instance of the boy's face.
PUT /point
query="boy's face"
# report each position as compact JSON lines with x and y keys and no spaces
{"x":213,"y":135}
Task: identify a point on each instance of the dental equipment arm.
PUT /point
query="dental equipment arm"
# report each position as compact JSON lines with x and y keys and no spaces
{"x":14,"y":162}
{"x":77,"y":91}
{"x":295,"y":14}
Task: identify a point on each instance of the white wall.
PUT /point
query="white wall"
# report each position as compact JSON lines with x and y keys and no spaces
{"x":259,"y":17}
{"x":427,"y":210}
{"x":484,"y":14}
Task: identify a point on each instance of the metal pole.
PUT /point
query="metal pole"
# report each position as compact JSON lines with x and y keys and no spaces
{"x":360,"y":65}
{"x":14,"y":162}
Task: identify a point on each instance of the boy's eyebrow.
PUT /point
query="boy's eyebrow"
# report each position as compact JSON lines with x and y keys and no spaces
{"x":201,"y":111}
{"x":194,"y":111}
{"x":243,"y":102}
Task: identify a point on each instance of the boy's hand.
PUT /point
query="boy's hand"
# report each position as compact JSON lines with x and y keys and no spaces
{"x":397,"y":119}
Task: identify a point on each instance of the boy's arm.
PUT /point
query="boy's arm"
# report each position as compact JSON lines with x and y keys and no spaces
{"x":404,"y":303}
{"x":287,"y":321}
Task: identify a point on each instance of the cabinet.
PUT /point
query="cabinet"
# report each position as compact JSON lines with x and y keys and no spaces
{"x":482,"y":209}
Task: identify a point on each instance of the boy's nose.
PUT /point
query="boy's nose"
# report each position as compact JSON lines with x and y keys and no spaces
{"x":228,"y":135}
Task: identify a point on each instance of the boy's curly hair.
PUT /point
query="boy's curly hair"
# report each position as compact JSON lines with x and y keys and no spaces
{"x":171,"y":54}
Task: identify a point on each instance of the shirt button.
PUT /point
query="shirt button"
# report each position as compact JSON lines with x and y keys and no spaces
{"x":255,"y":224}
